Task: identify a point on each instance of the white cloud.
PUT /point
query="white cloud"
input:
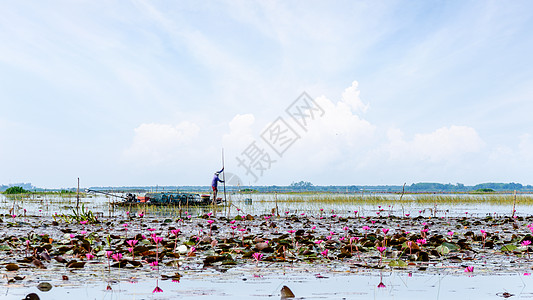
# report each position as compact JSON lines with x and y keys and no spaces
{"x":155,"y":144}
{"x":525,"y":147}
{"x":351,"y":97}
{"x":240,"y":134}
{"x":440,"y":145}
{"x":333,"y":142}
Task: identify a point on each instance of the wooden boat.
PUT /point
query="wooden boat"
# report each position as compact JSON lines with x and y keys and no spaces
{"x":163,"y":198}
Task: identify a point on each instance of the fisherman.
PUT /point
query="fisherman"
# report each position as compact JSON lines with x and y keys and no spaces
{"x":214,"y":184}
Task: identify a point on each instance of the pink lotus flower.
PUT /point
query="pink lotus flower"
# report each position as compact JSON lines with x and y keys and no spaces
{"x":385,"y":230}
{"x":83,"y":222}
{"x":232,"y":222}
{"x":381,"y":249}
{"x":157,"y":290}
{"x":108,"y":253}
{"x":421,"y":241}
{"x":132,"y":243}
{"x":157,"y":239}
{"x":450,"y":233}
{"x":154,"y":263}
{"x":210,"y":222}
{"x":83,"y":232}
{"x":381,"y":285}
{"x":89,"y":256}
{"x":175,"y":231}
{"x":469,"y":269}
{"x":313,"y":228}
{"x":353,"y":238}
{"x":526,"y":243}
{"x":366,"y":228}
{"x":291,"y":231}
{"x":345,"y":228}
{"x":257,"y":256}
{"x":407,"y":215}
{"x":117,"y":256}
{"x":319,"y":242}
{"x":325,"y":252}
{"x":151,"y":229}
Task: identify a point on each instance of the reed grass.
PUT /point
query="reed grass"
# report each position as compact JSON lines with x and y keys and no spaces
{"x":452,"y":199}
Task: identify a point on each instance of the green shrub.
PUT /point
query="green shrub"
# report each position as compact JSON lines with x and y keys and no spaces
{"x":16,"y":190}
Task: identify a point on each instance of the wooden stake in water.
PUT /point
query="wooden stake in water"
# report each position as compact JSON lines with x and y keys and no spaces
{"x":78,"y":197}
{"x":224,"y":176}
{"x":276,"y":199}
{"x":514,"y":202}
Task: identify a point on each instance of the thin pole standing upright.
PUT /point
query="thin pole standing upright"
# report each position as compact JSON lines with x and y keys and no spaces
{"x":78,"y":196}
{"x":224,"y":176}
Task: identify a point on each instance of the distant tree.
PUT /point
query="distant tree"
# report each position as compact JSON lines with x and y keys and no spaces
{"x":485,"y":190}
{"x":301,"y":186}
{"x":15,"y":190}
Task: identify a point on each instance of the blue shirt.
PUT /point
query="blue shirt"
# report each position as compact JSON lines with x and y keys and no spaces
{"x":215,"y":181}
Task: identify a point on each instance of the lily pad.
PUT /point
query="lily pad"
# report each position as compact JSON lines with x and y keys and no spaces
{"x":44,"y":286}
{"x":508,"y":248}
{"x":442,"y":250}
{"x":450,"y":246}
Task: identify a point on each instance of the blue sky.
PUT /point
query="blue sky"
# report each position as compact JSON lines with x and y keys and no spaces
{"x":149,"y":92}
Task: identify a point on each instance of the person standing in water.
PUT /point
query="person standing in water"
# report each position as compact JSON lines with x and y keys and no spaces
{"x":214,"y":184}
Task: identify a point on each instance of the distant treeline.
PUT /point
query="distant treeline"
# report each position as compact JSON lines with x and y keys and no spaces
{"x":304,"y":186}
{"x":25,"y":186}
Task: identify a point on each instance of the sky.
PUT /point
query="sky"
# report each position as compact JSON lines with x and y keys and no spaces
{"x":129,"y":93}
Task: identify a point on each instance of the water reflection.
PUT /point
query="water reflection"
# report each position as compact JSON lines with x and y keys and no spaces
{"x":358,"y":285}
{"x":297,"y":204}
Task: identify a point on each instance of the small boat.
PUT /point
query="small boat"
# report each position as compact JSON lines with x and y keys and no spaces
{"x":163,"y":198}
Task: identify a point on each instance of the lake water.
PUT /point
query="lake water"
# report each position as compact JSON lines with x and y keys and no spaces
{"x":264,"y":203}
{"x":305,"y":284}
{"x":308,"y":281}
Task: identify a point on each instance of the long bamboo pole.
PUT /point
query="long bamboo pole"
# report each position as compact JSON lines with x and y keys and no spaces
{"x":224,"y":176}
